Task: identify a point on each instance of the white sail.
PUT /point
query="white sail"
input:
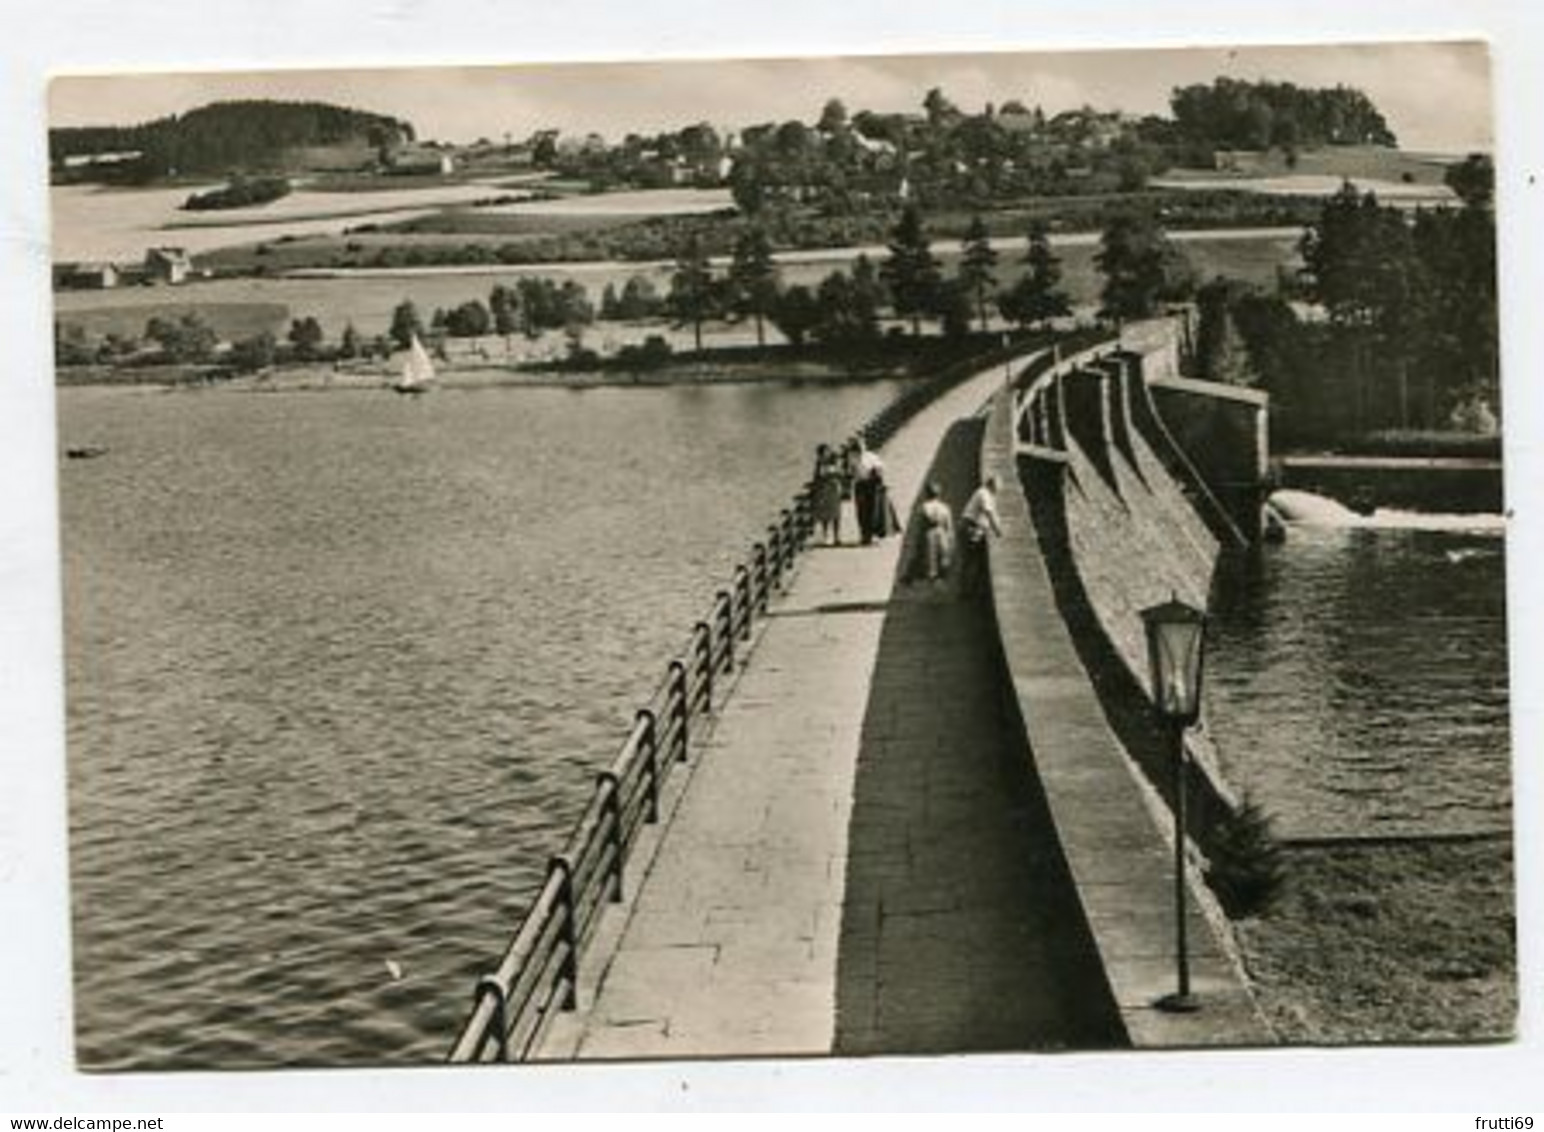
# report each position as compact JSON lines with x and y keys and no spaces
{"x":417,"y":369}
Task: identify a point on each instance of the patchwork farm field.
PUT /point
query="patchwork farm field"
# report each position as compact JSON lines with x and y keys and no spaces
{"x":366,"y":299}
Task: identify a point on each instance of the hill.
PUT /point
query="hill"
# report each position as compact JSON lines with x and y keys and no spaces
{"x":245,"y":136}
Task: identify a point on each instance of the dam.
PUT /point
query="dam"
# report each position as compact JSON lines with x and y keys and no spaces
{"x":866,"y":813}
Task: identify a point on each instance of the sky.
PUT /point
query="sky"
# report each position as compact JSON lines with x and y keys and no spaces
{"x":1435,"y":95}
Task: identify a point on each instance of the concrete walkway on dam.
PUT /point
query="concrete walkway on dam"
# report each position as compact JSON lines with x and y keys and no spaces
{"x":852,"y":866}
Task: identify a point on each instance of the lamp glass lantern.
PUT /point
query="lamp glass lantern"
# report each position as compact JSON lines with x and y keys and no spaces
{"x":1176,"y":639}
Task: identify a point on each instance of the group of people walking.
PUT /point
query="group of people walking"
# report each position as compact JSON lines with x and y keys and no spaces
{"x":941,"y":546}
{"x":856,"y":474}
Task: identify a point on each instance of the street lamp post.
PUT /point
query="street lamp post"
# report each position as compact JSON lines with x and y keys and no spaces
{"x":1176,"y":639}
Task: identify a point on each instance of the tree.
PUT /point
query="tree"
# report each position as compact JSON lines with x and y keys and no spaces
{"x":1359,"y":265}
{"x":1236,"y":114}
{"x":940,"y":111}
{"x":640,"y":298}
{"x":610,"y":303}
{"x":186,"y":339}
{"x":753,"y":278}
{"x":504,"y":307}
{"x":248,"y":355}
{"x":748,"y":184}
{"x":796,"y":313}
{"x":537,"y":306}
{"x":574,"y":308}
{"x":71,"y":345}
{"x":405,"y":323}
{"x":1141,"y":268}
{"x":846,"y":314}
{"x":691,"y":287}
{"x":1473,"y":179}
{"x":305,"y":336}
{"x":544,"y":147}
{"x":700,"y":144}
{"x":1220,"y":352}
{"x":833,"y":117}
{"x":911,"y":273}
{"x":1036,"y":297}
{"x":953,"y":308}
{"x":1411,"y":334}
{"x":349,"y":345}
{"x":868,"y":292}
{"x":976,"y":266}
{"x":469,"y":320}
{"x":793,"y":141}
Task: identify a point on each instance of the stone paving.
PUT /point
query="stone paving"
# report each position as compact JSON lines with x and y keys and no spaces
{"x":731,"y":943}
{"x":961,"y":933}
{"x":864,"y":859}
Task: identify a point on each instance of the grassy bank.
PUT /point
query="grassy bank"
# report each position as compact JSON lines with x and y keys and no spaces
{"x":715,"y":366}
{"x":1389,"y":943}
{"x":230,"y":320}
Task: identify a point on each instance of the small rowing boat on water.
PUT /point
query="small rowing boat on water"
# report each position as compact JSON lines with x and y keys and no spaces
{"x":417,"y":370}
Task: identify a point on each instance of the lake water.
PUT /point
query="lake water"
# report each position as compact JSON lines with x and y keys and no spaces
{"x":341,"y":666}
{"x":1357,"y":681}
{"x":340,"y":669}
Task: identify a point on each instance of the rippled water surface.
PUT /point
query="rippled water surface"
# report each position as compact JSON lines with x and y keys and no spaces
{"x":340,"y":668}
{"x":1357,"y":682}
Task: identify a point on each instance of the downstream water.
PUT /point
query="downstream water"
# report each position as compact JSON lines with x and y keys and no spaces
{"x":340,"y":668}
{"x":1357,"y":681}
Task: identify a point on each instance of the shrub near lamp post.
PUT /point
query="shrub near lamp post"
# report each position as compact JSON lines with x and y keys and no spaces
{"x":1176,"y":639}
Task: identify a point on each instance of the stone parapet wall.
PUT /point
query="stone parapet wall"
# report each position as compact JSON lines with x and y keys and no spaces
{"x":1115,"y":850}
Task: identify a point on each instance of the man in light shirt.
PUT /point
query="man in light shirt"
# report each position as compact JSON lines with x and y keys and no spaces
{"x":977,"y":521}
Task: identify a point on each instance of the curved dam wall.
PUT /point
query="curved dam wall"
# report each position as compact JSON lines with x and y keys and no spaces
{"x":1114,"y":516}
{"x":1127,"y":519}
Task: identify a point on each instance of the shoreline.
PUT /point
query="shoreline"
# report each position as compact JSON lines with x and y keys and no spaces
{"x":319,"y":379}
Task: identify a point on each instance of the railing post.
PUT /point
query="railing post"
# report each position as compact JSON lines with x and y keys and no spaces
{"x":682,"y":709}
{"x":650,"y":743}
{"x":789,"y":549}
{"x":801,"y":512}
{"x":724,"y":617}
{"x":761,"y":577}
{"x":775,"y":556}
{"x":612,"y":807}
{"x":740,"y":614}
{"x":569,"y":931}
{"x":489,"y":984}
{"x":704,"y":633}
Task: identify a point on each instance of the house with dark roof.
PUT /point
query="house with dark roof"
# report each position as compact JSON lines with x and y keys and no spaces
{"x":167,"y":265}
{"x":86,"y":276}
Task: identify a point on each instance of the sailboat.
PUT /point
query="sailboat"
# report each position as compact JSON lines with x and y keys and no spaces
{"x":417,"y":370}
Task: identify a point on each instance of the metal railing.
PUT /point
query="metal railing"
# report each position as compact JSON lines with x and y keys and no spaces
{"x":538,"y":976}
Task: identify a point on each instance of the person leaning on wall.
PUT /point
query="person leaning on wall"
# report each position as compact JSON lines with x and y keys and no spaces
{"x":978,"y":522}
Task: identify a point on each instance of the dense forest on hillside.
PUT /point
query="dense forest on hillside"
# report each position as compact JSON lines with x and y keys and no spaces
{"x":224,"y":136}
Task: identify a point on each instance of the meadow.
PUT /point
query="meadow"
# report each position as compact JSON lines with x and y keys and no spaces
{"x":366,"y":299}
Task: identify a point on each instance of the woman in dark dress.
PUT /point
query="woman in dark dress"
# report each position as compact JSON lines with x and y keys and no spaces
{"x":867,"y":491}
